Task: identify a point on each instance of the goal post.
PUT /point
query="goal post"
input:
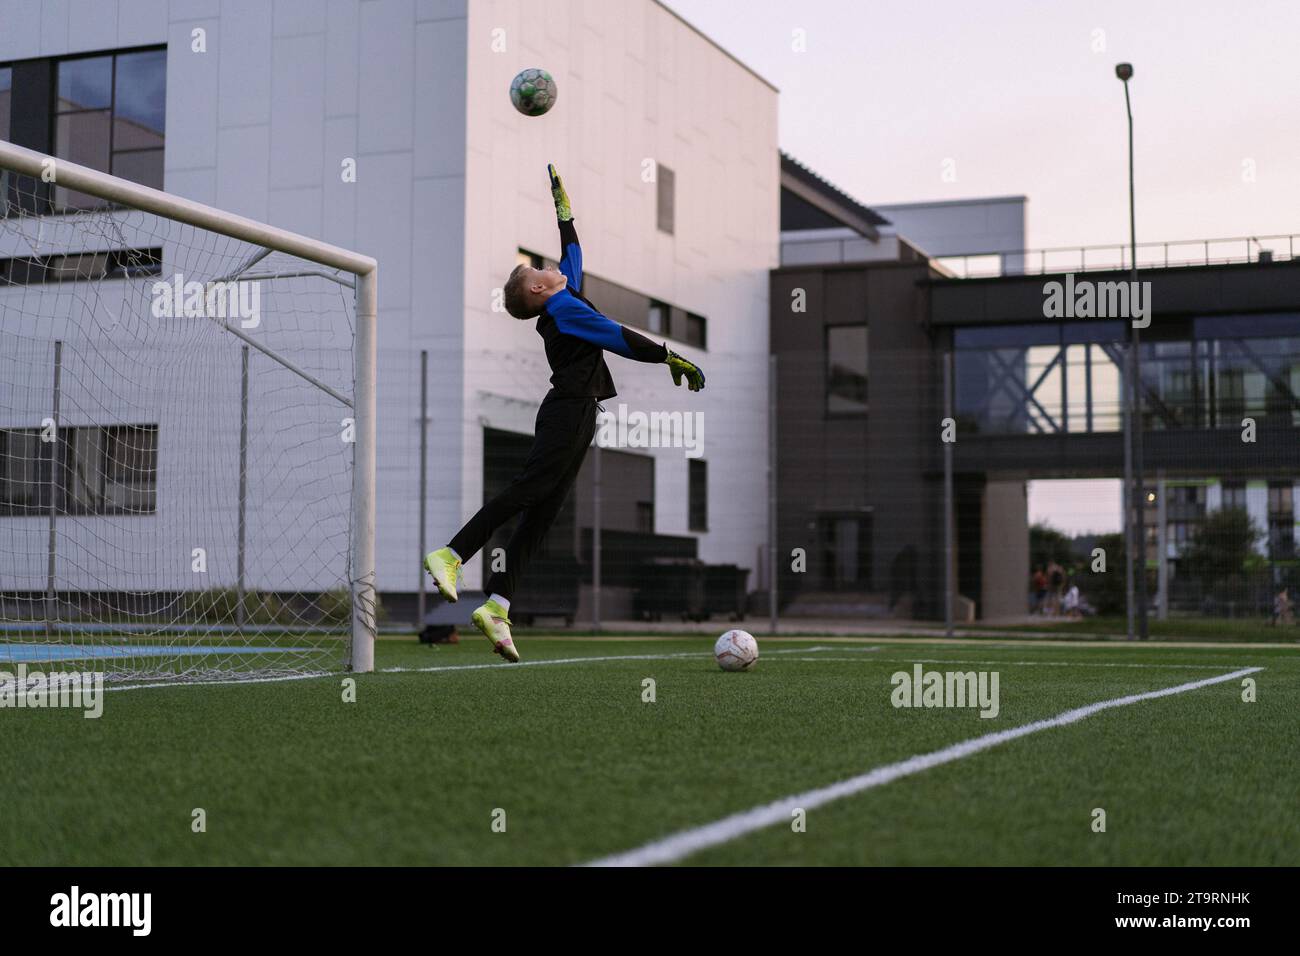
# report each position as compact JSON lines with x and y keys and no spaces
{"x":85,"y":258}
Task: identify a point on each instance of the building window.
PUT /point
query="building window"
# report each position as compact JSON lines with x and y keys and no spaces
{"x":656,"y":319}
{"x":645,"y":517}
{"x":24,"y":472}
{"x":101,"y":470}
{"x":1234,"y":495}
{"x":698,"y":495}
{"x":845,"y":551}
{"x":846,"y":369}
{"x":81,"y":266}
{"x":6,"y":97}
{"x":697,"y":330}
{"x":531,"y":259}
{"x":665,"y":194}
{"x":1191,"y":495}
{"x":109,"y":114}
{"x":1281,"y":521}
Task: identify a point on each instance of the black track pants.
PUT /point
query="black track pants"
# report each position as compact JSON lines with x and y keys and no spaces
{"x":564,"y":430}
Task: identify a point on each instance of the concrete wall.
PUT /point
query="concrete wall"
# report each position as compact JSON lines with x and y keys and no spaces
{"x":637,"y":87}
{"x":1004,"y":548}
{"x":882,"y":463}
{"x":451,"y":181}
{"x":963,"y":226}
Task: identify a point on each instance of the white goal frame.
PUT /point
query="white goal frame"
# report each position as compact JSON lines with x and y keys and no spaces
{"x":40,"y":166}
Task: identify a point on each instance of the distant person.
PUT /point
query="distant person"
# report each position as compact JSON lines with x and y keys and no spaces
{"x":1055,"y":587}
{"x":1283,"y":610}
{"x":902,"y":575}
{"x":1072,"y":603}
{"x":1038,"y":587}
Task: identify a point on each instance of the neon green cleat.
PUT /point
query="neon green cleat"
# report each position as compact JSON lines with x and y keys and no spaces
{"x":444,"y":568}
{"x":490,"y":618}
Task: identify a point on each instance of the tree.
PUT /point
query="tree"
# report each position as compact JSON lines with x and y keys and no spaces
{"x":1223,"y":545}
{"x":1046,"y":545}
{"x":1107,"y":589}
{"x":1222,"y":555}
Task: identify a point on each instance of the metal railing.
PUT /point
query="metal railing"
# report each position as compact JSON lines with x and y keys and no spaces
{"x":1115,"y":256}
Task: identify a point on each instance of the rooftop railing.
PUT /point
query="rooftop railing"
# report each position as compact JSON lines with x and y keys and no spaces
{"x":1115,"y":256}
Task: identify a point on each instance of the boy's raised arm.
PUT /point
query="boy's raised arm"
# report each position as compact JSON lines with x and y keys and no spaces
{"x":570,"y":250}
{"x":575,"y":317}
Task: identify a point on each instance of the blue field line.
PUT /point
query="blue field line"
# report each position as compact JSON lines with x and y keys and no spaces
{"x":94,"y":627}
{"x":74,"y":652}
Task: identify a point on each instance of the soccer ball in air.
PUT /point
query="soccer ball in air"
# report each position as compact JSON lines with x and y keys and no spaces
{"x":533,"y":92}
{"x":736,"y":651}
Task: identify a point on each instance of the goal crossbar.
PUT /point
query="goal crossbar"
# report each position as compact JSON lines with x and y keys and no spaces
{"x":45,"y":168}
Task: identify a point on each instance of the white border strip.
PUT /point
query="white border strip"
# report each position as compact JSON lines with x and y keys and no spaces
{"x":499,"y":665}
{"x":684,"y":843}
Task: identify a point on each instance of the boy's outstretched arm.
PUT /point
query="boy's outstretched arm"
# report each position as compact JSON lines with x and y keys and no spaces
{"x":574,"y":317}
{"x":570,"y":250}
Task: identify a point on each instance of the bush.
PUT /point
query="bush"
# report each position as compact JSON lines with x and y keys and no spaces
{"x":335,"y":607}
{"x":219,"y":606}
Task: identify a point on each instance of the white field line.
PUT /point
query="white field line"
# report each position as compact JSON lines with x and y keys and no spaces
{"x":164,"y":685}
{"x":541,"y":663}
{"x":682,"y":844}
{"x":954,"y":660}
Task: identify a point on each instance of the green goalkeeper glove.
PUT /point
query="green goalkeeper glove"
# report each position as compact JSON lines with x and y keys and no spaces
{"x":562,"y":210}
{"x":684,"y":367}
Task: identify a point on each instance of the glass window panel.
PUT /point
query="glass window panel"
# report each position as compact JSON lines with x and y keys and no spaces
{"x":1002,"y":336}
{"x":130,"y":468}
{"x":1107,"y":409}
{"x":24,"y":472}
{"x":846,"y":369}
{"x":80,"y":266}
{"x":1042,"y":370}
{"x":1167,"y":374}
{"x":82,"y":476}
{"x":1243,"y":326}
{"x":140,"y":96}
{"x":657,"y":318}
{"x":128,"y":135}
{"x":696,"y":330}
{"x":1076,"y":387}
{"x":144,"y":167}
{"x":82,"y":138}
{"x":6,"y":97}
{"x":86,"y":83}
{"x":1079,"y":332}
{"x":665,"y":198}
{"x":698,"y":495}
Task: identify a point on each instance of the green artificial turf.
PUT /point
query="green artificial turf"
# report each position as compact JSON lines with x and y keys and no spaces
{"x":412,"y":772}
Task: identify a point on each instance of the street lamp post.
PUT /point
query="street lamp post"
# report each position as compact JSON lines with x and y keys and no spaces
{"x":1138,"y":499}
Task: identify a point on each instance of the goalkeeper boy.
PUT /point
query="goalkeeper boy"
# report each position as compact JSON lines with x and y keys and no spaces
{"x":575,"y":336}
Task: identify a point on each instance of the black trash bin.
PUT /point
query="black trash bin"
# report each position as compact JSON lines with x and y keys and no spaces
{"x":672,"y":587}
{"x":725,"y":590}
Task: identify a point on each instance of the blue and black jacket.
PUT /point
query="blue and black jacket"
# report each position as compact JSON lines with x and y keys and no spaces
{"x":576,"y":335}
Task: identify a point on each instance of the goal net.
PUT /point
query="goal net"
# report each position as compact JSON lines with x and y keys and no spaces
{"x":186,"y":460}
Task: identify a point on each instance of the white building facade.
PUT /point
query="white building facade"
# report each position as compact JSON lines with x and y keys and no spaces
{"x":285,"y":99}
